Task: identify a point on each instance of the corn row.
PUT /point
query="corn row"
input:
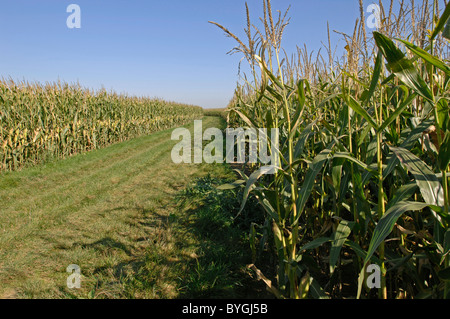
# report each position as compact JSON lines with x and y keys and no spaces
{"x":59,"y":120}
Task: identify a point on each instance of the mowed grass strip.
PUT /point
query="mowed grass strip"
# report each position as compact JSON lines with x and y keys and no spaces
{"x":108,"y":211}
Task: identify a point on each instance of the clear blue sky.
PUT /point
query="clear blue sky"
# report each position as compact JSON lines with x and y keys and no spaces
{"x":163,"y":48}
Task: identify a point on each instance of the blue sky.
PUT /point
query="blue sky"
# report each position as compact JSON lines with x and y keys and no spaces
{"x":164,"y":49}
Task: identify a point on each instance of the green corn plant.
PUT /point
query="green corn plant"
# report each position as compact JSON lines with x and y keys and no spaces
{"x":59,"y":120}
{"x":430,"y":187}
{"x":364,"y":155}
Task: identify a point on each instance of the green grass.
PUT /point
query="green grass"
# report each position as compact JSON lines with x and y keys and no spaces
{"x":223,"y":249}
{"x":115,"y":212}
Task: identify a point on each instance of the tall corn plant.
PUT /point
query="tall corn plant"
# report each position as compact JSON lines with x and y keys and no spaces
{"x":279,"y":103}
{"x":349,"y":144}
{"x":435,"y":196}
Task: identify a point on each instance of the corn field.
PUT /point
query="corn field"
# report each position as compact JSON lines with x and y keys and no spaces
{"x":364,"y":148}
{"x":58,"y":120}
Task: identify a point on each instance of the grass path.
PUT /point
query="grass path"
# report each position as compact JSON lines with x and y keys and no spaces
{"x":110,"y":211}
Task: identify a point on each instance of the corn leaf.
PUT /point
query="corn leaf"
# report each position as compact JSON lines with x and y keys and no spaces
{"x":316,"y":290}
{"x":402,"y":67}
{"x":446,"y":32}
{"x":250,"y":185}
{"x":441,"y":23}
{"x":398,"y":111}
{"x":427,"y":57}
{"x":412,"y":138}
{"x":231,"y":185}
{"x":402,"y":194}
{"x":360,"y":252}
{"x":339,"y":237}
{"x":308,"y":184}
{"x":246,"y":118}
{"x":312,"y":245}
{"x":384,"y":228}
{"x":430,"y":188}
{"x":349,"y":157}
{"x":442,"y":113}
{"x":444,"y":152}
{"x":301,"y":142}
{"x":264,"y":68}
{"x":361,"y":111}
{"x":375,"y":77}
